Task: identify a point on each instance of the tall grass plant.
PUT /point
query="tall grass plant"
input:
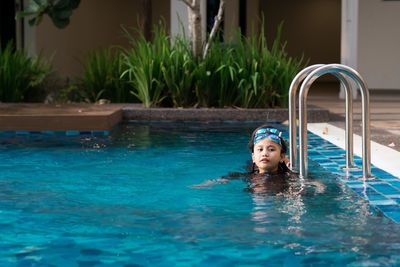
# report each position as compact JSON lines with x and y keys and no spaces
{"x":102,"y":77}
{"x":161,"y":72}
{"x":21,"y":77}
{"x":143,"y":68}
{"x":247,"y":73}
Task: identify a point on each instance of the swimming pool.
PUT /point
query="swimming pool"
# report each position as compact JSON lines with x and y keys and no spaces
{"x":128,"y":199}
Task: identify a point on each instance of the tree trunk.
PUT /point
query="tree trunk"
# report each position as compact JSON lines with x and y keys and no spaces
{"x":214,"y":30}
{"x":196,"y":33}
{"x":195,"y":26}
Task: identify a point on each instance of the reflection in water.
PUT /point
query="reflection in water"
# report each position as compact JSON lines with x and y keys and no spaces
{"x":265,"y":183}
{"x":139,"y":137}
{"x":267,"y":188}
{"x":292,"y":205}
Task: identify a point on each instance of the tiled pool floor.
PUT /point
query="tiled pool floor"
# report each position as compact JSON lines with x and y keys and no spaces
{"x":382,"y":191}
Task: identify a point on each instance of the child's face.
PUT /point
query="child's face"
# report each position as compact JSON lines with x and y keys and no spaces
{"x":267,"y":155}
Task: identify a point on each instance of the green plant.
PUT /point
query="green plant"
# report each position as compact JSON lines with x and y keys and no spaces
{"x":245,"y":73}
{"x":144,"y":63}
{"x":72,"y":93}
{"x":263,"y":75}
{"x":20,"y":75}
{"x":215,"y":77}
{"x":178,"y":73}
{"x":102,"y":77}
{"x":58,"y":10}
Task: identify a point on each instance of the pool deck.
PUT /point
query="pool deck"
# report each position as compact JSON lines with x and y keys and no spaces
{"x":384,"y":126}
{"x":59,"y":117}
{"x":384,"y":114}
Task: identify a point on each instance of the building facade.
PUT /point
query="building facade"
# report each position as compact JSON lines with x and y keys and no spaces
{"x":361,"y":34}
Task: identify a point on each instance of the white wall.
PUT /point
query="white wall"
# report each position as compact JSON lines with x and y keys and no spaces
{"x":349,"y":35}
{"x":180,"y":19}
{"x":379,"y":43}
{"x":349,"y":40}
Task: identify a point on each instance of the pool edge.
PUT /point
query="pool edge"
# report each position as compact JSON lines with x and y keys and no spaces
{"x":381,"y":156}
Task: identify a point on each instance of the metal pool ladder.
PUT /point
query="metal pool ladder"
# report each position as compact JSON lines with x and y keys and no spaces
{"x":306,"y":77}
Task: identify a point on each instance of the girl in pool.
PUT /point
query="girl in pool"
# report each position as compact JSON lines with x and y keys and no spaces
{"x":268,"y":151}
{"x":269,"y":171}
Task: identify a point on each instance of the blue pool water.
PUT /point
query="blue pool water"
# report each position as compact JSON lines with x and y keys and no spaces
{"x":128,"y":200}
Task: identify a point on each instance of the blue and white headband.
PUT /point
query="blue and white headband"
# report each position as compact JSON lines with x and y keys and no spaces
{"x":271,"y":133}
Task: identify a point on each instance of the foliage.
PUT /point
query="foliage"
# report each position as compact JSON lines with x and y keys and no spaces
{"x":215,"y":78}
{"x":263,"y":75}
{"x":143,"y":68}
{"x":102,"y":77}
{"x":161,"y":72}
{"x":245,"y":74}
{"x":177,"y":72}
{"x":20,"y":76}
{"x":71,"y":93}
{"x":58,"y":10}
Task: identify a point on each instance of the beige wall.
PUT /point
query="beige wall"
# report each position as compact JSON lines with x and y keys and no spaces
{"x":311,"y":27}
{"x":253,"y":17}
{"x":161,"y":11}
{"x":379,"y":43}
{"x":231,"y":19}
{"x":95,"y":24}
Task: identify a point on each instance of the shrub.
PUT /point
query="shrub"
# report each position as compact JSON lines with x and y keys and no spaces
{"x":102,"y":77}
{"x":21,"y":77}
{"x":216,"y":78}
{"x":161,"y":72}
{"x":246,"y":73}
{"x":264,"y":75}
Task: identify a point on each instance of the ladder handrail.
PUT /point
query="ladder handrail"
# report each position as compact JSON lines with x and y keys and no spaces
{"x":294,"y":86}
{"x":349,"y":121}
{"x":355,"y":76}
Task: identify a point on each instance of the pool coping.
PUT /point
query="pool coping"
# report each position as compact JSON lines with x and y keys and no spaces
{"x":59,"y":117}
{"x":91,"y":117}
{"x":315,"y":114}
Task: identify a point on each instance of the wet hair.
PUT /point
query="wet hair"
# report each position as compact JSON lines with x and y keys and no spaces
{"x":282,"y":168}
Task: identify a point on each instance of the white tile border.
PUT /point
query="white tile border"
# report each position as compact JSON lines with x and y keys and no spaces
{"x":382,"y":157}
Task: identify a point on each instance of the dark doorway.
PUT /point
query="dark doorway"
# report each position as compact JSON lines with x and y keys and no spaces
{"x":212,"y":11}
{"x":7,"y":22}
{"x":311,"y":29}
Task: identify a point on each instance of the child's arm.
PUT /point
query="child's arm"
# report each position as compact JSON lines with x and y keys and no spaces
{"x":210,"y":183}
{"x":221,"y":180}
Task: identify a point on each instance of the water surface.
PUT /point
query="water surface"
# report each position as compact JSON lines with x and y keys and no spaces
{"x":128,"y":199}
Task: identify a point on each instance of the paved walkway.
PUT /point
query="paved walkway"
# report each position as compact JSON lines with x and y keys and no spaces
{"x":384,"y":110}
